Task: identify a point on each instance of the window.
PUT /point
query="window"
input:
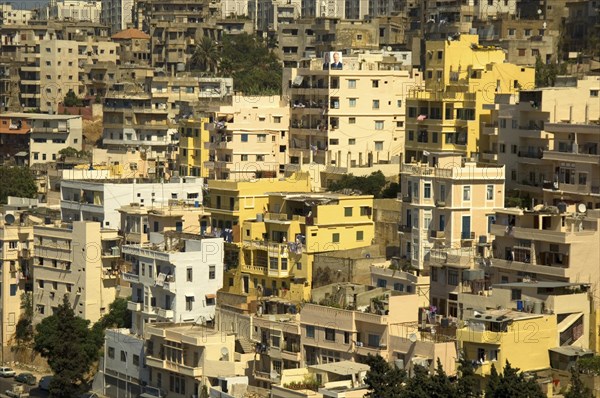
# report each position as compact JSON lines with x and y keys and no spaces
{"x":189,"y":273}
{"x":453,"y":278}
{"x":136,"y":360}
{"x":411,"y":135}
{"x":515,"y":294}
{"x":189,"y":303}
{"x":467,"y":193}
{"x":351,"y":83}
{"x":511,"y":31}
{"x":111,"y":352}
{"x":433,"y":274}
{"x":379,"y":145}
{"x":244,"y":137}
{"x":261,"y":138}
{"x":378,"y":124}
{"x":335,"y":238}
{"x":346,"y":337}
{"x":375,"y":104}
{"x":513,"y":175}
{"x":521,"y":52}
{"x":310,"y":331}
{"x":490,"y":192}
{"x":210,"y":300}
{"x":582,"y":178}
{"x":359,"y":235}
{"x":244,"y":158}
{"x":352,"y":102}
{"x":351,"y":120}
{"x":211,"y":272}
{"x":123,"y":356}
{"x":594,"y":93}
{"x":276,"y":119}
{"x":374,"y":340}
{"x":527,"y":32}
{"x":375,"y":83}
{"x":260,"y":158}
{"x":347,"y":211}
{"x":399,"y":103}
{"x":427,"y":190}
{"x":434,"y":137}
{"x":381,"y":283}
{"x":330,"y":334}
{"x":535,"y":52}
{"x":351,"y":141}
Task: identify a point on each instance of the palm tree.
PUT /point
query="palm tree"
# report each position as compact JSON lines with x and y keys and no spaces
{"x":206,"y":55}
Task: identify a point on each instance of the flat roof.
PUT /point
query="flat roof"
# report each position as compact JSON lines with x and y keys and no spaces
{"x":545,"y":285}
{"x":571,"y":351}
{"x":43,"y":116}
{"x":343,"y":368}
{"x":187,"y":329}
{"x":502,"y":315}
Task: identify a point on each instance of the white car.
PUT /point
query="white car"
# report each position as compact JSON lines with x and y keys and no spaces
{"x":7,"y":372}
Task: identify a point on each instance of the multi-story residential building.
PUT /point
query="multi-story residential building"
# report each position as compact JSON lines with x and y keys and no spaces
{"x":165,"y":275}
{"x":117,"y":14}
{"x":73,"y":10}
{"x":269,"y":15}
{"x":447,"y":207}
{"x":39,"y":137}
{"x":581,"y":26}
{"x":545,"y":244}
{"x":193,"y":152}
{"x":52,"y":68}
{"x":351,"y":119}
{"x":14,"y":139}
{"x":88,"y":200}
{"x":13,"y":16}
{"x":445,"y":116}
{"x":138,"y":221}
{"x":387,"y":216}
{"x":279,"y":245}
{"x":248,"y":139}
{"x":549,"y":141}
{"x":124,"y":371}
{"x":390,"y":275}
{"x":134,"y":46}
{"x":182,"y":358}
{"x":16,"y":246}
{"x":80,"y":260}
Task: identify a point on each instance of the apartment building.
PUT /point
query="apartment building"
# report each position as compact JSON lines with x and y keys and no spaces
{"x":269,"y":15}
{"x":134,"y":46}
{"x":14,"y":139}
{"x":124,"y":371}
{"x":249,"y":139}
{"x":390,"y":275}
{"x":117,"y":14}
{"x":182,"y":358}
{"x":88,"y":200}
{"x":52,"y":68}
{"x":40,"y":137}
{"x":460,"y":77}
{"x":193,"y":153}
{"x":548,"y":139}
{"x":545,"y":244}
{"x":73,"y":10}
{"x":448,"y":208}
{"x":351,"y":119}
{"x":80,"y":260}
{"x":16,"y":246}
{"x":138,"y":221}
{"x":280,"y":244}
{"x":14,"y":16}
{"x":165,"y":275}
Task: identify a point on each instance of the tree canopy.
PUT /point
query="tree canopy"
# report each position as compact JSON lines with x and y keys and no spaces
{"x":16,"y":181}
{"x":71,"y":99}
{"x":578,"y":389}
{"x":374,"y":184}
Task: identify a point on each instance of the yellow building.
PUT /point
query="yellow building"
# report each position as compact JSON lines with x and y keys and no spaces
{"x":460,"y":77}
{"x":192,"y":152}
{"x":495,"y":336}
{"x":279,"y":245}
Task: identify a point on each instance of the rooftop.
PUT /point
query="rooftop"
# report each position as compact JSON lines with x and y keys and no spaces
{"x":131,"y":34}
{"x":187,"y":329}
{"x":39,"y":116}
{"x":543,"y":285}
{"x":503,"y":315}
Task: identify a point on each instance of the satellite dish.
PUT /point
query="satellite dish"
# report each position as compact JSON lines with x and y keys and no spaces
{"x":581,"y":208}
{"x":389,"y":48}
{"x":9,"y":219}
{"x":225,"y":353}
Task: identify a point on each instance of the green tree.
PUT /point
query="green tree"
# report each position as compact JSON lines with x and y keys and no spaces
{"x":206,"y":55}
{"x":440,"y":385}
{"x":467,"y":384}
{"x":71,"y":99}
{"x":16,"y":181}
{"x":578,"y":389}
{"x":383,"y":380}
{"x":493,"y":382}
{"x":69,"y":347}
{"x":24,"y":328}
{"x":372,"y":184}
{"x":69,"y":152}
{"x":118,"y":315}
{"x":513,"y":383}
{"x":419,"y":385}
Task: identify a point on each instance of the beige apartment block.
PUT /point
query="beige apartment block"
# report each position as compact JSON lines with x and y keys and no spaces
{"x":73,"y":10}
{"x":348,"y":119}
{"x":249,"y":139}
{"x":447,"y":213}
{"x":134,"y":46}
{"x":549,"y":140}
{"x":16,"y":245}
{"x":14,"y":16}
{"x":546,"y":244}
{"x":181,"y":358}
{"x":80,"y":260}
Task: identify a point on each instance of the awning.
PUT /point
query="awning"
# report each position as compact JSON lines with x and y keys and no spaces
{"x":21,"y":154}
{"x":210,"y":296}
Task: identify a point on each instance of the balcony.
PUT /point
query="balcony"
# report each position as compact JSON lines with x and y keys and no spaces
{"x":129,"y":277}
{"x":135,"y":307}
{"x":164,"y":313}
{"x":560,"y":156}
{"x":489,"y":156}
{"x":540,"y":235}
{"x":490,"y":129}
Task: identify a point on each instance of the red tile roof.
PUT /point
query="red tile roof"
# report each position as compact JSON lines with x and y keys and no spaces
{"x":131,"y":34}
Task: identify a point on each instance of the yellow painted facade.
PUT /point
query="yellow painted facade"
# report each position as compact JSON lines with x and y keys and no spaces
{"x":192,"y":152}
{"x":460,"y":77}
{"x":279,"y":246}
{"x":522,"y":339}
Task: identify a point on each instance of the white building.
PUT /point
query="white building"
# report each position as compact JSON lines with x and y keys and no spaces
{"x":116,"y":14}
{"x":99,"y":201}
{"x":74,"y":10}
{"x":124,"y":371}
{"x":174,"y":278}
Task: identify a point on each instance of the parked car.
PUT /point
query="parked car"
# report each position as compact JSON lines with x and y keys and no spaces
{"x":44,"y":383}
{"x":18,"y":391}
{"x":26,"y":378}
{"x":7,"y":372}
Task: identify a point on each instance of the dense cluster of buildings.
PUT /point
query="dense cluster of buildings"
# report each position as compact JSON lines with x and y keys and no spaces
{"x":209,"y":210}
